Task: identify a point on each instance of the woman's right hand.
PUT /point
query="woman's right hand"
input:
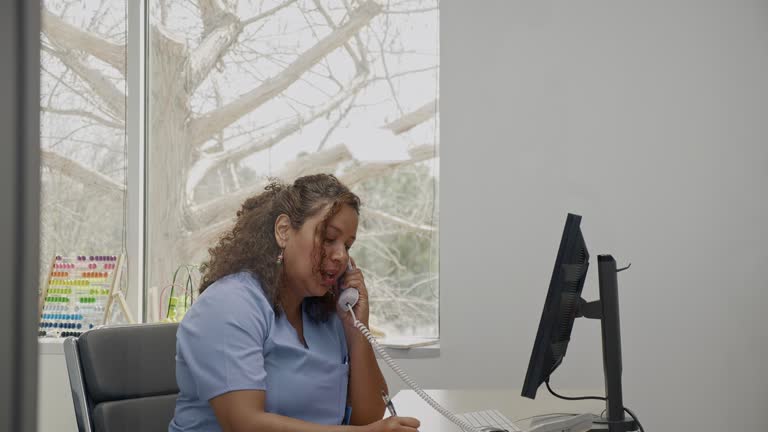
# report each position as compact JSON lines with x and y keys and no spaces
{"x":394,"y":424}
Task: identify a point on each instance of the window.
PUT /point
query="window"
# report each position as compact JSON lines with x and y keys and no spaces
{"x":83,"y":134}
{"x":239,"y":91}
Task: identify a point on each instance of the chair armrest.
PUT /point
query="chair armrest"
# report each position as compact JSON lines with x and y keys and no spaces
{"x":77,"y":385}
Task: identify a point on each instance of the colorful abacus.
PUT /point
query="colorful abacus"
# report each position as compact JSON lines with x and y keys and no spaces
{"x":78,"y":294}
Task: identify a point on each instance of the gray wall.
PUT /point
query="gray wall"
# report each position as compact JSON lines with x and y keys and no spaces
{"x":650,"y":119}
{"x":20,"y":213}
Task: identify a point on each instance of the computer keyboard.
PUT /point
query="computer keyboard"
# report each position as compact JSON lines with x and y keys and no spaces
{"x":492,"y":418}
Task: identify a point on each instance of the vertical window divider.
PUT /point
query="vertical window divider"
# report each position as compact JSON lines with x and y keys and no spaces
{"x":136,"y":142}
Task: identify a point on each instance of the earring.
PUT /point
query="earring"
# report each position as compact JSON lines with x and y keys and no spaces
{"x":280,"y":257}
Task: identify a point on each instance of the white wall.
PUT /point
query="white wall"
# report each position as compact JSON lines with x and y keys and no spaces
{"x":650,"y":119}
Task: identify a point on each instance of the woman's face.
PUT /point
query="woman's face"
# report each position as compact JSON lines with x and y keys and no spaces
{"x":304,"y":274}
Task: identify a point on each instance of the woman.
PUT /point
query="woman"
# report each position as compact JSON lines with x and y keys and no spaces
{"x":265,"y":347}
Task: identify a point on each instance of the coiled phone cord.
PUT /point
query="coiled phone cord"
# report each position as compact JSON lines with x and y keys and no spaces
{"x":391,"y":363}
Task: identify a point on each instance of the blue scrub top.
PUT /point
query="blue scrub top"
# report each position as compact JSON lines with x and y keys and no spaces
{"x":231,"y":340}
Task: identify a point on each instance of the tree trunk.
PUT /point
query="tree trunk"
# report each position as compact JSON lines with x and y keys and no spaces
{"x":169,"y":158}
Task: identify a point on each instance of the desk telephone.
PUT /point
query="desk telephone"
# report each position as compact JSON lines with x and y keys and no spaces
{"x":347,"y":299}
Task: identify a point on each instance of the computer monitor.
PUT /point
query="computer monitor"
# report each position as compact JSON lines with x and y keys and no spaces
{"x":560,"y":307}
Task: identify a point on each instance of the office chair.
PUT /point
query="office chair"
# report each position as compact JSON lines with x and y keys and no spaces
{"x":123,"y":378}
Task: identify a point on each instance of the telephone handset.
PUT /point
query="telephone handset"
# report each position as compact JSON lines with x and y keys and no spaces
{"x":348,"y":299}
{"x":348,"y":296}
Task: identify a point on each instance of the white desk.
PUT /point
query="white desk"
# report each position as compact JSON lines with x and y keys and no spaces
{"x":508,"y":402}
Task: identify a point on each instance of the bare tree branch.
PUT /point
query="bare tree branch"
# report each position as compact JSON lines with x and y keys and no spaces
{"x":371,"y":170}
{"x":398,"y":220}
{"x":211,"y":49}
{"x":85,"y":96}
{"x":234,"y":155}
{"x":70,"y":37}
{"x":384,"y":251}
{"x":67,"y":137}
{"x":222,"y":29}
{"x":360,"y":45}
{"x":386,"y":68}
{"x":113,"y":98}
{"x":431,"y":278}
{"x":270,"y":12}
{"x":410,"y":72}
{"x":202,"y":128}
{"x":79,"y":172}
{"x":412,"y":119}
{"x":324,"y":62}
{"x":335,"y":125}
{"x":212,"y":12}
{"x":358,"y":62}
{"x":85,"y":114}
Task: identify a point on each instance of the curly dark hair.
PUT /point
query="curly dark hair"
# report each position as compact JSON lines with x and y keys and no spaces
{"x":251,"y":245}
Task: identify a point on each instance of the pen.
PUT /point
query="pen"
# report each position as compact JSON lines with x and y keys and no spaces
{"x":389,"y":404}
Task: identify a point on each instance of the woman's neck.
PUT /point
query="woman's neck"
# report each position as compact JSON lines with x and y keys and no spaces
{"x":291,"y":303}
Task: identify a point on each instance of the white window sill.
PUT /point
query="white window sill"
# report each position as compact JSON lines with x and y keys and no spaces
{"x":50,"y":345}
{"x":398,"y":349}
{"x":411,"y":348}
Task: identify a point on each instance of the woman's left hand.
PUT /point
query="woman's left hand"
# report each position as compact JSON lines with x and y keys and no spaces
{"x":354,"y":279}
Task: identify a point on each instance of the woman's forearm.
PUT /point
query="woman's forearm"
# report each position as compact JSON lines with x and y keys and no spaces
{"x":366,"y":381}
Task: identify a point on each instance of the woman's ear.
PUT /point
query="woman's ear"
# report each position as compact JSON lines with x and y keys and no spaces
{"x":282,"y":230}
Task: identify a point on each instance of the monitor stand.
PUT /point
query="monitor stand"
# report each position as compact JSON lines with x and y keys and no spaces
{"x":607,"y":311}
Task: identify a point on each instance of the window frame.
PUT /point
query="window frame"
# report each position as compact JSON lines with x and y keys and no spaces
{"x":136,"y":48}
{"x":137,"y":76}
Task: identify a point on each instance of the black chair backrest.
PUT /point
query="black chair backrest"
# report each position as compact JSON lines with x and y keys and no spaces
{"x":128,"y":377}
